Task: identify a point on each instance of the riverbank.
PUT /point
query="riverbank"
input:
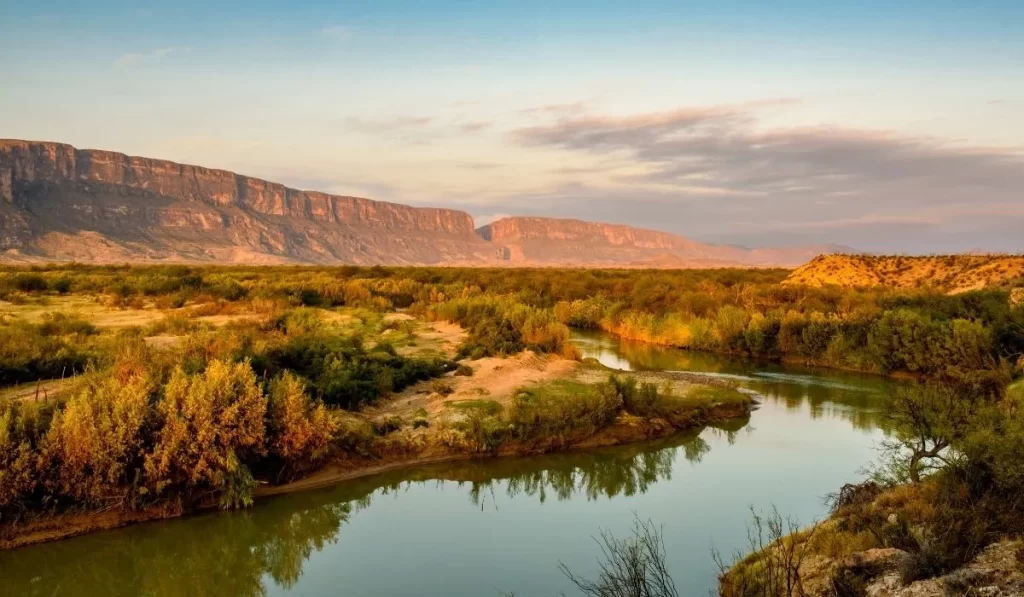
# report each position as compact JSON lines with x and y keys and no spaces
{"x":873,"y":544}
{"x":443,"y":419}
{"x":790,"y":360}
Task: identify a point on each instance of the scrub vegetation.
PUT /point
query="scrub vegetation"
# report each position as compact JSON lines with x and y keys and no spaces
{"x":179,"y":387}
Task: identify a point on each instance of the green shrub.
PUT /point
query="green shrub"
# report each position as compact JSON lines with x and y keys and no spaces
{"x":386,"y":425}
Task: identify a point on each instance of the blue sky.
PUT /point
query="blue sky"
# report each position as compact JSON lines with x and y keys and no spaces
{"x":895,"y":126}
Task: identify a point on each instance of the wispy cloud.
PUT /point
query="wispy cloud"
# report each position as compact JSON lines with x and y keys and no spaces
{"x":714,"y":167}
{"x":558,"y":109}
{"x":389,"y":125}
{"x":137,"y":58}
{"x":475,"y":126}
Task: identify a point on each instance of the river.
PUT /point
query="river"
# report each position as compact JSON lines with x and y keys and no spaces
{"x":493,"y":527}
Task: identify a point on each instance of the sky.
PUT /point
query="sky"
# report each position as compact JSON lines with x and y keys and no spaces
{"x":883,"y":126}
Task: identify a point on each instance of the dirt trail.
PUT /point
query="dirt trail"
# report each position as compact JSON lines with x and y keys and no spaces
{"x":43,"y":390}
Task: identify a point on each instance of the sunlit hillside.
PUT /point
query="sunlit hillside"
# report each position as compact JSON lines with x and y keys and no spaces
{"x":953,"y":273}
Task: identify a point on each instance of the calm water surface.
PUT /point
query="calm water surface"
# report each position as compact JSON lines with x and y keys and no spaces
{"x":498,"y":526}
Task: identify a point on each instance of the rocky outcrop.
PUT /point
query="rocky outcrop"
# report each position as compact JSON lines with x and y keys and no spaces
{"x":951,"y":273}
{"x":573,"y":242}
{"x":60,"y":202}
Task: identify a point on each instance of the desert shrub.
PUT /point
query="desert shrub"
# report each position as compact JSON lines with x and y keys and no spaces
{"x":761,"y":335}
{"x":26,"y":282}
{"x":354,"y":436}
{"x":61,"y":285}
{"x":442,"y":387}
{"x":22,"y":427}
{"x":95,"y":445}
{"x":463,"y":370}
{"x":420,"y":423}
{"x":211,"y":424}
{"x":498,"y":325}
{"x":303,"y":320}
{"x":580,"y":313}
{"x":299,"y":430}
{"x":341,"y":372}
{"x":63,"y":324}
{"x":637,"y":399}
{"x":29,"y":354}
{"x":560,"y":412}
{"x":386,"y":425}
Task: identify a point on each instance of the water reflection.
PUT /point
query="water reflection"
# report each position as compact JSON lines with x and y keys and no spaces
{"x":833,"y":394}
{"x":245,"y":553}
{"x":439,"y":535}
{"x":227,"y":553}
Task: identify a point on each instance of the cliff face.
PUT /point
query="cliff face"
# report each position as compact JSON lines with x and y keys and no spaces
{"x":549,"y":240}
{"x":61,"y":202}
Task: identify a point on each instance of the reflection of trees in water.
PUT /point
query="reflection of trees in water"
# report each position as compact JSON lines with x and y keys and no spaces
{"x":624,"y":470}
{"x":831,"y":394}
{"x":234,"y":553}
{"x":218,"y":554}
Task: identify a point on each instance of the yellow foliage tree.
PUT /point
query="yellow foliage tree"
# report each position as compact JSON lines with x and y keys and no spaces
{"x":95,"y":444}
{"x":212,"y":423}
{"x":299,"y":430}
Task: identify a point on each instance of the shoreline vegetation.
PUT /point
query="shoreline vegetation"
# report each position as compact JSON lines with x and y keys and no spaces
{"x":180,"y":391}
{"x":160,"y":390}
{"x":612,"y":412}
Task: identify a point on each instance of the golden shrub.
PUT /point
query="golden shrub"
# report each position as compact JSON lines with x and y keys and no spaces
{"x":95,"y":444}
{"x":212,"y":422}
{"x":20,"y":429}
{"x":299,"y":430}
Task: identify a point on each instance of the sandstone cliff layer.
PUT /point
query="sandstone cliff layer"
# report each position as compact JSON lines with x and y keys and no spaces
{"x":62,"y":203}
{"x":574,"y":242}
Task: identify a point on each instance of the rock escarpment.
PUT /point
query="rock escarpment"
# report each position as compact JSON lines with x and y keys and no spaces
{"x":575,"y":242}
{"x":59,"y":202}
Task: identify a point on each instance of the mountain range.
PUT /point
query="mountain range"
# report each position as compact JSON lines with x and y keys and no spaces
{"x":59,"y":203}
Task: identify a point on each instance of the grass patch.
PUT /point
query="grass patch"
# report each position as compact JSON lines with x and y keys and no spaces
{"x":486,"y":407}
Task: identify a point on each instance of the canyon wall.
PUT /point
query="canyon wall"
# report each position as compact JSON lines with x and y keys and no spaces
{"x":63,"y":202}
{"x":574,"y":242}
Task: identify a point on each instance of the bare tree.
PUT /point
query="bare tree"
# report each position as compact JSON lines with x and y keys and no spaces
{"x":772,"y":562}
{"x":631,"y":567}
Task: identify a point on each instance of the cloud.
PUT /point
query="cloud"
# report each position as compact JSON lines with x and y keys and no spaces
{"x":557,"y":109}
{"x":728,"y":168}
{"x":389,"y":125}
{"x":137,"y":58}
{"x":337,"y":32}
{"x":475,"y":126}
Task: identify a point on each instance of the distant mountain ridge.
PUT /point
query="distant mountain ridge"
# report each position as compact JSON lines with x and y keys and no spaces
{"x":575,"y":242}
{"x":59,"y":203}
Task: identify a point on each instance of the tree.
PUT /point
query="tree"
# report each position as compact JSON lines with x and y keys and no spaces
{"x":927,"y":420}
